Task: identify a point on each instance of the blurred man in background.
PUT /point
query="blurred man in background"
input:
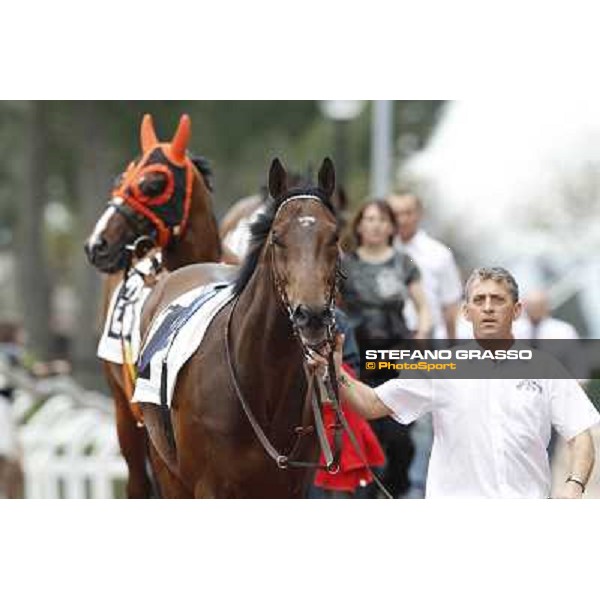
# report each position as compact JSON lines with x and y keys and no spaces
{"x":537,"y":322}
{"x":441,"y":278}
{"x":538,"y":326}
{"x":443,"y":292}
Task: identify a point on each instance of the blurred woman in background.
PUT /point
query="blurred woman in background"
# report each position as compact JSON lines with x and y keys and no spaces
{"x":379,"y":280}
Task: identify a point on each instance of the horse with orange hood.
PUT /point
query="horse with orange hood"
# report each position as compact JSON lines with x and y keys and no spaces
{"x":159,"y":218}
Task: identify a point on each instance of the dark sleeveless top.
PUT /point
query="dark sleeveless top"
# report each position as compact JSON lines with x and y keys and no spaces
{"x":374,"y":295}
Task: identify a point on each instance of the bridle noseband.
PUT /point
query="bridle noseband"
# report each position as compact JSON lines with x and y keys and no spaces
{"x":136,"y":223}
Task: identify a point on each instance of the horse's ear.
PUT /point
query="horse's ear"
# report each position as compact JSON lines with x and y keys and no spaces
{"x":181,"y":138}
{"x":148,"y":137}
{"x":327,"y":177}
{"x":277,"y":179}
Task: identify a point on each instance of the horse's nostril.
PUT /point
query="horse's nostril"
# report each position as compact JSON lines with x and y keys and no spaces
{"x":302,"y":315}
{"x":99,"y":247}
{"x":93,"y":249}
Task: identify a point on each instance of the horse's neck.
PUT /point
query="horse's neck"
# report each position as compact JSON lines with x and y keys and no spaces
{"x":260,"y":314}
{"x":266,"y":353}
{"x":200,"y":242}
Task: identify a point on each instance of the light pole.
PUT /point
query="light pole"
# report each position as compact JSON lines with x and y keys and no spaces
{"x":381,"y":147}
{"x":341,"y":112}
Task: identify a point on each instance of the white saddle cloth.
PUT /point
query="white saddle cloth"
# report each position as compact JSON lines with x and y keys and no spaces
{"x":173,"y":337}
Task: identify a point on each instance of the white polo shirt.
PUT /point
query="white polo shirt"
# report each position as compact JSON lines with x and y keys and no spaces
{"x":440,"y":277}
{"x":491,"y":435}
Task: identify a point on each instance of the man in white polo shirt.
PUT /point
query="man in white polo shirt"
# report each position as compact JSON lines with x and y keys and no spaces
{"x":490,"y":435}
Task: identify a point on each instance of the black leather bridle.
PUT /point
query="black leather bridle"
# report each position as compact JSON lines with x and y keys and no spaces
{"x":315,"y":392}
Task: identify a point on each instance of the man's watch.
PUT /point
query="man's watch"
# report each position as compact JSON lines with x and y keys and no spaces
{"x":579,"y":482}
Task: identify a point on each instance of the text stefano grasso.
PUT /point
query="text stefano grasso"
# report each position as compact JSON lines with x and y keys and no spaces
{"x":453,"y":354}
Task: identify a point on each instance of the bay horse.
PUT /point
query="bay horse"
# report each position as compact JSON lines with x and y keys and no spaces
{"x":252,"y":358}
{"x":164,"y":196}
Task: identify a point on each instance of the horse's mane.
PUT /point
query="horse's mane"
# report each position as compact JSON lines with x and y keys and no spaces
{"x":260,"y":227}
{"x":203,"y":165}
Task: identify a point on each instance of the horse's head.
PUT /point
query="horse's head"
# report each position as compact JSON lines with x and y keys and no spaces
{"x":303,"y":245}
{"x":150,"y":201}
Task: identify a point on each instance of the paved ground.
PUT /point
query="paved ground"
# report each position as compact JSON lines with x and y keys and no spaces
{"x":561,"y":466}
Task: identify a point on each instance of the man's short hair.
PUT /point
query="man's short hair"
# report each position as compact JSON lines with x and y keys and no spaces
{"x":499,"y":274}
{"x":415,"y":196}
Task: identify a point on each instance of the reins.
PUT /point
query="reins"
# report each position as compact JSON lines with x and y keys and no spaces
{"x":313,"y":401}
{"x":315,"y":393}
{"x":333,"y":386}
{"x":315,"y":384}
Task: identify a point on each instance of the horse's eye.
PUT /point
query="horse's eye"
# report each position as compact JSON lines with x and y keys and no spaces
{"x":153,"y":184}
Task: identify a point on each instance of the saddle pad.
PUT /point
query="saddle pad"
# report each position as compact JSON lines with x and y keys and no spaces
{"x":174,"y":336}
{"x":123,"y":319}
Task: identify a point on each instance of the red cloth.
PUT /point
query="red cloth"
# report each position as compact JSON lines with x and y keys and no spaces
{"x":352,"y":468}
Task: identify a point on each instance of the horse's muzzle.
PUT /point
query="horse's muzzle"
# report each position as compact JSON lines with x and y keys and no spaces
{"x":100,"y":256}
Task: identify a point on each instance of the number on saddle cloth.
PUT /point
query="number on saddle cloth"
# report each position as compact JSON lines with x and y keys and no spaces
{"x":122,"y":318}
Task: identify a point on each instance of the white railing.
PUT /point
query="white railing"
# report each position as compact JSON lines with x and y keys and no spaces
{"x":68,"y":439}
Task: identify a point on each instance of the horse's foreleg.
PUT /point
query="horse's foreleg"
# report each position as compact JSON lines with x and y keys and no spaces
{"x":170,"y":485}
{"x":133,"y":444}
